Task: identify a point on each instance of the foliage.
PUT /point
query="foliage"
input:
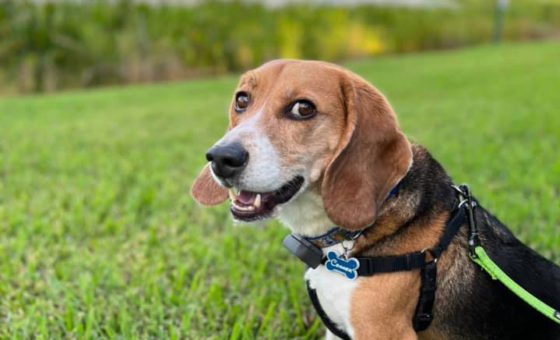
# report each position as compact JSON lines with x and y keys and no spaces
{"x":52,"y":45}
{"x":100,"y":237}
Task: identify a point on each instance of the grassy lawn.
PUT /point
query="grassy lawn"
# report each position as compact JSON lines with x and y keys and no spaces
{"x":100,"y":238}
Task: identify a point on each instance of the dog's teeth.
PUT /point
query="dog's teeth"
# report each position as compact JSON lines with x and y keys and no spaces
{"x":257,"y":203}
{"x":245,"y":208}
{"x":232,"y":195}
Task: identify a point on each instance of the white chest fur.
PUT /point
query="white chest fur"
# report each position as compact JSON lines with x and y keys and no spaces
{"x":306,"y":216}
{"x":334,"y":292}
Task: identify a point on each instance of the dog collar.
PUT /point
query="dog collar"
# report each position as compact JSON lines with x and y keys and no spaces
{"x":334,"y":236}
{"x":337,"y":234}
{"x":309,"y":249}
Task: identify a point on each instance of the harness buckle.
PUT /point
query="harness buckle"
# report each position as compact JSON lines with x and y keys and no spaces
{"x":466,"y":200}
{"x":432,"y":254}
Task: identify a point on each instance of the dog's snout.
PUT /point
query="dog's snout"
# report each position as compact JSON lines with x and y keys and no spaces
{"x":227,"y":161}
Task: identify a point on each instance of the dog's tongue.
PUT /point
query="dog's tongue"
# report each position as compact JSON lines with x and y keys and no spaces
{"x":246,"y":197}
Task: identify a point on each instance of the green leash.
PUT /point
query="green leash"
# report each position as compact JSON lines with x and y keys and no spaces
{"x":480,"y":257}
{"x":483,"y":260}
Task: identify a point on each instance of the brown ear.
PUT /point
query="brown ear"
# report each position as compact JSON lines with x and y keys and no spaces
{"x":372,"y":157}
{"x":206,"y":191}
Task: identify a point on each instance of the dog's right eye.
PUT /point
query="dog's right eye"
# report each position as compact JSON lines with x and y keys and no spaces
{"x":241,"y":102}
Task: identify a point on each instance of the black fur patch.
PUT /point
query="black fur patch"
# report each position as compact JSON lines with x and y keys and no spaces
{"x":469,"y":304}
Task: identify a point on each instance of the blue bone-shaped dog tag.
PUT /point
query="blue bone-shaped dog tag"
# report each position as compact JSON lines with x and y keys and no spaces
{"x":347,"y":267}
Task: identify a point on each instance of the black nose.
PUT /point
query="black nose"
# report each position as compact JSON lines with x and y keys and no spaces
{"x":227,"y":160}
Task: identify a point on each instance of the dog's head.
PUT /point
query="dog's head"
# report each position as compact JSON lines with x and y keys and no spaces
{"x":297,"y":126}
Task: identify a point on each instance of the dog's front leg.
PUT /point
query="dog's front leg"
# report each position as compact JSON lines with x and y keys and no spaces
{"x":398,"y":332}
{"x":383,"y":306}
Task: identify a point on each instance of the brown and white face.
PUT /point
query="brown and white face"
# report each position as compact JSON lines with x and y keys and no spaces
{"x":298,"y":126}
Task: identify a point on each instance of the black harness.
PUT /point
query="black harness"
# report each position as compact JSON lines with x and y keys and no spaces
{"x":425,"y":261}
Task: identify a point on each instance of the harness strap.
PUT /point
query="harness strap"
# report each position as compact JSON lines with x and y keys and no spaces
{"x":417,"y":260}
{"x":389,"y":264}
{"x":331,"y":326}
{"x":452,"y":228}
{"x":423,"y":315}
{"x":369,"y":266}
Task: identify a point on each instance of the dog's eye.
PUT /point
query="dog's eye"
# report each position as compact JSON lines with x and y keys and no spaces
{"x":241,"y":102}
{"x":302,"y":109}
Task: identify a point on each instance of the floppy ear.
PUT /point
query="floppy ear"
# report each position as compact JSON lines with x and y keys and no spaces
{"x":206,"y":191}
{"x":372,"y":157}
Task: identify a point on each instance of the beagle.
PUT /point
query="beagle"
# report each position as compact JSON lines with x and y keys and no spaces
{"x":316,"y":146}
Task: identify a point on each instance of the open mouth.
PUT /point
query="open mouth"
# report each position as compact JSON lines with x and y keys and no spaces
{"x":250,"y":206}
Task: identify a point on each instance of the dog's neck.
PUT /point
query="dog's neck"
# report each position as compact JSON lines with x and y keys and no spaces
{"x":306,"y":215}
{"x":422,"y":205}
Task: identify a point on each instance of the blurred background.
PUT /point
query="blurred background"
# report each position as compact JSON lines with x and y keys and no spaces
{"x":51,"y":45}
{"x":108,"y":107}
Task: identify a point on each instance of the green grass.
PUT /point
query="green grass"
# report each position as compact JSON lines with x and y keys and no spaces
{"x":100,"y":238}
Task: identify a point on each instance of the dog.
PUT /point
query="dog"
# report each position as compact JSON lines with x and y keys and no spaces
{"x":316,"y":146}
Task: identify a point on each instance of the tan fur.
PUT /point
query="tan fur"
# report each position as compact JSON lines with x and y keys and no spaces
{"x":415,"y":238}
{"x":383,"y":305}
{"x":305,"y":143}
